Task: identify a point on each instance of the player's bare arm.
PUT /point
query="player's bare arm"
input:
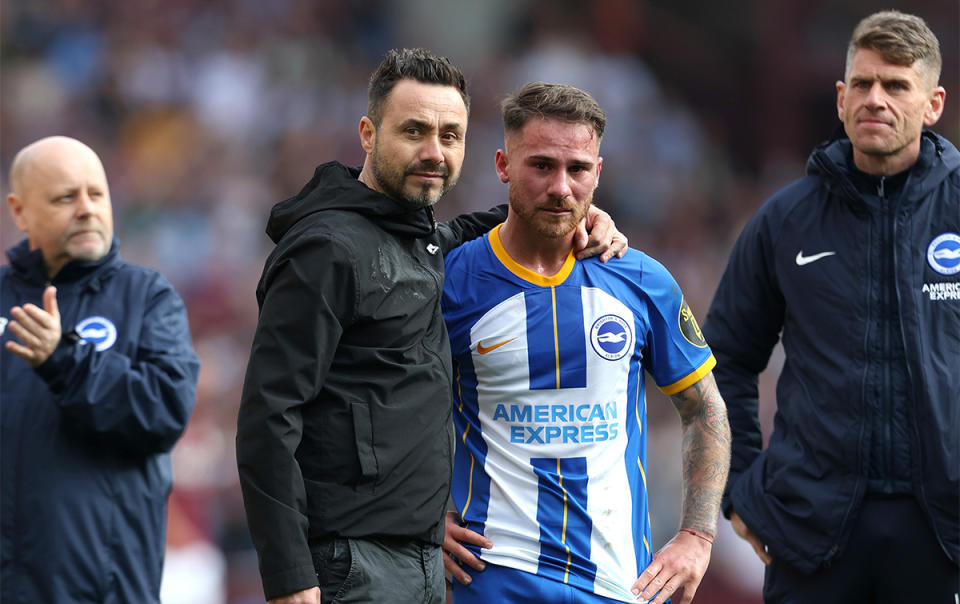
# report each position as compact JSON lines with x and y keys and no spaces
{"x":706,"y":453}
{"x":678,"y":568}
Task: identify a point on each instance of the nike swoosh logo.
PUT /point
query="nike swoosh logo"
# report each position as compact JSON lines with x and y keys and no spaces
{"x":801,"y":259}
{"x":485,"y":349}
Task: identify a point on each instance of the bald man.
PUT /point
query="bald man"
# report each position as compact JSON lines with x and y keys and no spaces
{"x":97,"y":381}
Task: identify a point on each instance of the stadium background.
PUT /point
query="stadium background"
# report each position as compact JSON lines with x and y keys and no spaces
{"x":205,"y":113}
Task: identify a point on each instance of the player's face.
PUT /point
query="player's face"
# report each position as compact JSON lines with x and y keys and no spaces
{"x":552,"y":168}
{"x":884,"y":107}
{"x":418,"y":148}
{"x":64,"y":207}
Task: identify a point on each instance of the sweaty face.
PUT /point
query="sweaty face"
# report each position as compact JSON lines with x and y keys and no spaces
{"x":884,"y":107}
{"x":64,"y":205}
{"x":552,"y":169}
{"x":418,"y":149}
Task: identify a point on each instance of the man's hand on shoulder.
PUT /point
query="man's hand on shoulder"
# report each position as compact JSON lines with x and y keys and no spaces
{"x":307,"y":596}
{"x":676,"y":570}
{"x":597,"y":234}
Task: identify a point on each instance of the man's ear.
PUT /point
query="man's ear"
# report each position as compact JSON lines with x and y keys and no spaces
{"x":501,"y":161}
{"x":16,"y":210}
{"x":368,"y":134}
{"x":841,"y":89}
{"x":935,"y":106}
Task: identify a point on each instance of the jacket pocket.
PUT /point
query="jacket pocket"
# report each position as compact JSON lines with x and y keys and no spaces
{"x":363,"y":435}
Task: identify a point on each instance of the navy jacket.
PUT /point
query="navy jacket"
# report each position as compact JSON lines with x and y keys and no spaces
{"x":86,"y":436}
{"x":802,"y":493}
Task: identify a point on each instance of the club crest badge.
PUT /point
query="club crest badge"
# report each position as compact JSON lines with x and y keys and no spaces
{"x":611,"y":337}
{"x":943,"y":254}
{"x":99,"y":331}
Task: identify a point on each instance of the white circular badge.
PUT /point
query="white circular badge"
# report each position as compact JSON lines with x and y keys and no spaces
{"x":611,"y":337}
{"x":943,"y":254}
{"x":99,"y":331}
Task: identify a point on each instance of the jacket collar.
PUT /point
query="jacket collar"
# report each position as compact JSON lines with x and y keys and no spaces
{"x":28,"y":265}
{"x":335,"y":186}
{"x":833,"y":160}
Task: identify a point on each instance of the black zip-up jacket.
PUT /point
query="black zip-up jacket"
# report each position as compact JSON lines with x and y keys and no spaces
{"x":344,"y":427}
{"x":805,"y":269}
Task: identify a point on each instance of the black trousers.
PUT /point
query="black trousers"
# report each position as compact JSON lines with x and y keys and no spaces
{"x":892,"y":558}
{"x":379,"y":570}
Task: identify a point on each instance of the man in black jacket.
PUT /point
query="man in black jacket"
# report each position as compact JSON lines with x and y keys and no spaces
{"x":344,"y":437}
{"x":855,"y":498}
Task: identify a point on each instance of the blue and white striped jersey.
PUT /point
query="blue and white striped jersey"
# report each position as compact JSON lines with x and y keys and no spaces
{"x":549,"y":406}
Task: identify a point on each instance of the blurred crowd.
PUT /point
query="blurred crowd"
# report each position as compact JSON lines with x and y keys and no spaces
{"x":206,"y":113}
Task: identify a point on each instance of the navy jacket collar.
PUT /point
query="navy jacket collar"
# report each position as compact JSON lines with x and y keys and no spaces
{"x":28,"y":265}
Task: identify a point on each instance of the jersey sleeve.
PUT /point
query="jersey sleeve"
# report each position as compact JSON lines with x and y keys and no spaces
{"x":676,"y":355}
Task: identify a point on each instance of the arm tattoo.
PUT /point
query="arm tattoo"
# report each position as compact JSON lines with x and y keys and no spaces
{"x":706,"y":453}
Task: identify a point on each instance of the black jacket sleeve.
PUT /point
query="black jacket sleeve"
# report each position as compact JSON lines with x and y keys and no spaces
{"x":140,"y":403}
{"x":742,"y":327}
{"x":306,"y":297}
{"x":467,"y":227}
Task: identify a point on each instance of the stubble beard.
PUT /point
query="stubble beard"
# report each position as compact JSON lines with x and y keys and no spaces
{"x":87,"y":252}
{"x":548,"y":228}
{"x":391,"y":180}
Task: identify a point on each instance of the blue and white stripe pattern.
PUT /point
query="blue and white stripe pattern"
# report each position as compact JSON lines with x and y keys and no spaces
{"x":549,"y":407}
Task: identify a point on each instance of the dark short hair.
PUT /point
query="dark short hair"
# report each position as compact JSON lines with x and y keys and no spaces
{"x":901,"y":39}
{"x":417,"y":64}
{"x":557,"y":101}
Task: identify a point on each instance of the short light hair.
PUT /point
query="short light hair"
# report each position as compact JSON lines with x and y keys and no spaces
{"x":901,"y":39}
{"x":556,"y":101}
{"x":418,"y":64}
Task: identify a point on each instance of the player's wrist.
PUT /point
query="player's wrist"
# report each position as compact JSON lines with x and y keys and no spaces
{"x":699,"y":534}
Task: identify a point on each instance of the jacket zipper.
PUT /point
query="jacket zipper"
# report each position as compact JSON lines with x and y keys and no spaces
{"x":886,"y":248}
{"x":885,"y":403}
